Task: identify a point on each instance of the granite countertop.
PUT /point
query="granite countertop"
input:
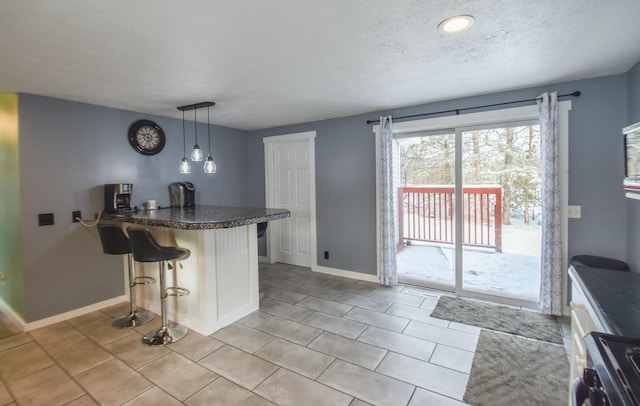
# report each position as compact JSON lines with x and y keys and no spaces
{"x":199,"y":217}
{"x":614,"y":297}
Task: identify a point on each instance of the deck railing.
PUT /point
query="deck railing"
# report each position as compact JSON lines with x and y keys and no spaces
{"x":427,"y":214}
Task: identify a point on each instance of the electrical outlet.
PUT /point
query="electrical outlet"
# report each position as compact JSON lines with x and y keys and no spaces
{"x":326,"y":255}
{"x":574,"y":212}
{"x":45,"y":219}
{"x":76,"y":215}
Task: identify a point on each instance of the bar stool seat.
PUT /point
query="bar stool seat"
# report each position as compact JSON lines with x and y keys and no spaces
{"x":146,"y":249}
{"x":115,"y":242}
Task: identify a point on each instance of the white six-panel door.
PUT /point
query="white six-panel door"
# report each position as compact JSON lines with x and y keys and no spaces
{"x":289,"y":168}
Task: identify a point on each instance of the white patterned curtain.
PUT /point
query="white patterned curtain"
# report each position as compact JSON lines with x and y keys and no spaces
{"x":551,"y":266}
{"x":388,"y":267}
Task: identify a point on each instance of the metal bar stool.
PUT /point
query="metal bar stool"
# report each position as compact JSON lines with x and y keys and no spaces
{"x":115,"y":242}
{"x":146,"y":249}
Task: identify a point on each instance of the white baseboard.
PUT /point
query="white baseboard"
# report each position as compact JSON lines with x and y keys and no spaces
{"x":346,"y":274}
{"x":15,"y":318}
{"x":63,"y":316}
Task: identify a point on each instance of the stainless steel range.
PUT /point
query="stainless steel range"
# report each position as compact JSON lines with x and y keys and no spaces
{"x":613,"y":373}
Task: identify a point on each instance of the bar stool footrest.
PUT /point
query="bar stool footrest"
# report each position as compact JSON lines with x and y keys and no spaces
{"x":143,"y":280}
{"x":177,"y":291}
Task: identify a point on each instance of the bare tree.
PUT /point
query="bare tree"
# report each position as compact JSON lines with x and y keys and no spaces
{"x":506,"y":181}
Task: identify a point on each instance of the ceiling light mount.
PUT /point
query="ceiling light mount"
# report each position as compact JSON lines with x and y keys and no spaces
{"x":456,"y":23}
{"x":196,"y":106}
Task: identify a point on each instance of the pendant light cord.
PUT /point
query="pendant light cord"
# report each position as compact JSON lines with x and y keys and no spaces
{"x":208,"y":130}
{"x":195,"y":122}
{"x":184,"y":142}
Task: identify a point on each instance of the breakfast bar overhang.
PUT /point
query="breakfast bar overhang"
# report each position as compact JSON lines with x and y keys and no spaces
{"x":222,"y":271}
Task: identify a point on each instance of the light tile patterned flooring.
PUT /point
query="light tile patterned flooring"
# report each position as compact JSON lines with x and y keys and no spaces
{"x":316,"y":340}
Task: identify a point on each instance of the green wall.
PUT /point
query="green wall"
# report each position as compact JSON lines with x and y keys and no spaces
{"x":12,"y":288}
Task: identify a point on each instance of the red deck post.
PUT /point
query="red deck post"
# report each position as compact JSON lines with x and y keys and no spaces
{"x":498,"y":217}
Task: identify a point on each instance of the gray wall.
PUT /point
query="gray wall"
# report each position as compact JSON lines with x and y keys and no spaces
{"x":633,"y":206}
{"x":345,"y":170}
{"x":345,"y":189}
{"x":68,"y":151}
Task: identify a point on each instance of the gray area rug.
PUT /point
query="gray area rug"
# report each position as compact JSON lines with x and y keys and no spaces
{"x":510,"y":370}
{"x":500,"y":318}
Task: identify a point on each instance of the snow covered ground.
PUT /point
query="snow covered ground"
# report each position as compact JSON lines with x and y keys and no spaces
{"x":513,"y":273}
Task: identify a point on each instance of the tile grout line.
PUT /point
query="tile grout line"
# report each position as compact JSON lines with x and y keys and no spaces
{"x":115,"y":356}
{"x":391,"y":351}
{"x":55,"y":361}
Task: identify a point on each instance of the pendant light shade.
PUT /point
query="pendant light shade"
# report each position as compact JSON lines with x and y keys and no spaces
{"x":209,"y":165}
{"x":196,"y":153}
{"x":185,"y":167}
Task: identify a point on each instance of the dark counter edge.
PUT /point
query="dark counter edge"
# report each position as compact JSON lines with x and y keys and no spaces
{"x":595,"y":305}
{"x":612,"y":295}
{"x":195,"y":225}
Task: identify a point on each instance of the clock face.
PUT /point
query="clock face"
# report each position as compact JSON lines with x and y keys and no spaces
{"x":146,"y":137}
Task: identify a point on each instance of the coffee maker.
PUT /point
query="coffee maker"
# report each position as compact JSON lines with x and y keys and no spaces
{"x":182,"y":194}
{"x":117,"y":197}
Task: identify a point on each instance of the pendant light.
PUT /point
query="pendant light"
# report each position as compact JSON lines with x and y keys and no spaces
{"x":209,"y":165}
{"x":196,"y":153}
{"x":185,"y":167}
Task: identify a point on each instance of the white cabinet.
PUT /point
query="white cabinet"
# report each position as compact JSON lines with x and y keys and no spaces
{"x":583,"y":321}
{"x":581,"y":325}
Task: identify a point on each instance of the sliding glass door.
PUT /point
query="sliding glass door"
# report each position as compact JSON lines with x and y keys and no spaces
{"x":501,"y":228}
{"x":426,"y":208}
{"x":469,"y":210}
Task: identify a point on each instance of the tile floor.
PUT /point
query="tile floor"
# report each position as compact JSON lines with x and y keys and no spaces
{"x":316,"y":340}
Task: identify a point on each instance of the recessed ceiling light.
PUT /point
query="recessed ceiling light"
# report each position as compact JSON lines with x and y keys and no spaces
{"x":456,"y":23}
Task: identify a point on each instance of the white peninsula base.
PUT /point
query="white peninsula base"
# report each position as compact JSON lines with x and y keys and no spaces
{"x":221,"y":275}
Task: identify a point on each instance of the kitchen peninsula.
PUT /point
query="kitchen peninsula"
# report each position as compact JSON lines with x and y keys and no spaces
{"x":222,"y":271}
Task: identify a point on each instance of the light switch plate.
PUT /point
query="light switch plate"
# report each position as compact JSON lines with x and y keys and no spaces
{"x":574,"y":212}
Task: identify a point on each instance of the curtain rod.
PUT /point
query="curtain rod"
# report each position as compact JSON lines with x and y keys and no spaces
{"x":457,"y":111}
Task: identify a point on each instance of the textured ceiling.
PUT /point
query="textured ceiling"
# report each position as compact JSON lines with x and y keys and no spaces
{"x":278,"y":62}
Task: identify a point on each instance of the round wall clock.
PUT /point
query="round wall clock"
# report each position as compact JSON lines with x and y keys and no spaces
{"x":146,"y":137}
